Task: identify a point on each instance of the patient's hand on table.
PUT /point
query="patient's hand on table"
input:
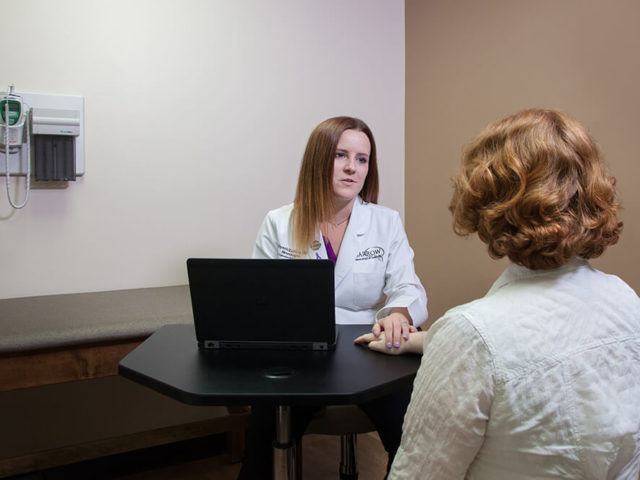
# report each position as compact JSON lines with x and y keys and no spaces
{"x":412,"y":345}
{"x":397,"y":326}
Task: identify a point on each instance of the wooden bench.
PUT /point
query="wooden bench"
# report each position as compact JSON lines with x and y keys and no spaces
{"x":60,"y":396}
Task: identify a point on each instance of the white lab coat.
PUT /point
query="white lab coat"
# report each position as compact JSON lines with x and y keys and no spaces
{"x":374,"y":272}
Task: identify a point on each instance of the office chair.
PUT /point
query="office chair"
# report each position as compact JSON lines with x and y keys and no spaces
{"x":347,"y":421}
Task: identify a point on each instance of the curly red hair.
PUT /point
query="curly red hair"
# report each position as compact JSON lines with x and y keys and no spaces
{"x":535,"y":188}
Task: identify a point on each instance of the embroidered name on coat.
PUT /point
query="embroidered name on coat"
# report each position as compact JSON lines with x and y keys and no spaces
{"x":286,"y":252}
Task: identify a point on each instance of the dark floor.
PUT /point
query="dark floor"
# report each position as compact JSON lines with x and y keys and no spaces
{"x":206,"y":458}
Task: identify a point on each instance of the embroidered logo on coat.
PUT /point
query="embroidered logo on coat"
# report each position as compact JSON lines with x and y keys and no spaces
{"x":370,"y":254}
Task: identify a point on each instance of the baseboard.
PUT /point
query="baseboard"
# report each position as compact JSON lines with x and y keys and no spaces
{"x":233,"y":425}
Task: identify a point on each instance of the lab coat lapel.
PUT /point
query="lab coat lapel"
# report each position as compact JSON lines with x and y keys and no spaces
{"x":351,"y":243}
{"x":320,"y":253}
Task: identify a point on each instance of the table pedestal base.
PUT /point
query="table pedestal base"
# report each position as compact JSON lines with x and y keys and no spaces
{"x":286,"y":459}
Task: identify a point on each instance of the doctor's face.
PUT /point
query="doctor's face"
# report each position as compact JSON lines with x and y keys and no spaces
{"x":351,"y":165}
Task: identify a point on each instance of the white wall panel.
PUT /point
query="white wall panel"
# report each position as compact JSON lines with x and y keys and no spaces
{"x":197,"y":113}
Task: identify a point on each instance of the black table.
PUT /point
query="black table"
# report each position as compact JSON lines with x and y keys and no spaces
{"x":170,"y":362}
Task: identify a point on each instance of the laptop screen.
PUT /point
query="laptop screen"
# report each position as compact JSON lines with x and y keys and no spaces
{"x":249,"y":302}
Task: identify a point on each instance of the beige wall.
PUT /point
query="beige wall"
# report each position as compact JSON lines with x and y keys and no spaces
{"x":470,"y":62}
{"x":197,"y":113}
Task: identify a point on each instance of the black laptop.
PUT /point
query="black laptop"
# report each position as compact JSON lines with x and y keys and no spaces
{"x":250,"y":303}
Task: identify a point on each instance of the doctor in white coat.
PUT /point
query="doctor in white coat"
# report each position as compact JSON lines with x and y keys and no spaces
{"x":374,"y":274}
{"x":375,"y":280}
{"x":335,"y":216}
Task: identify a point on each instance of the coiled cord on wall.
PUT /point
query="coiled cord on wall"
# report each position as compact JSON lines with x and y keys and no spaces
{"x":6,"y":158}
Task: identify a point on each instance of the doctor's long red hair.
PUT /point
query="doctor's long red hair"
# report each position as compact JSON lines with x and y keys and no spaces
{"x":314,"y":201}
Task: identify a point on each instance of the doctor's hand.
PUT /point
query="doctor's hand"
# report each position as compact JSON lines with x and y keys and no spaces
{"x":396,"y":327}
{"x":412,"y":345}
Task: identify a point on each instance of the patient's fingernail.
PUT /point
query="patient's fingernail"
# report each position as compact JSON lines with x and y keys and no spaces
{"x":397,"y":344}
{"x":389,"y":345}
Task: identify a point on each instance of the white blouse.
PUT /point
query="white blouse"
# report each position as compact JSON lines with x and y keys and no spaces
{"x":538,"y":379}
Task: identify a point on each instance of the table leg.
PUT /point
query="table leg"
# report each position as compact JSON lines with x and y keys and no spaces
{"x":284,"y":451}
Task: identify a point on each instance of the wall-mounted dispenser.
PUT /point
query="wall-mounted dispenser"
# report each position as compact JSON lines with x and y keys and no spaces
{"x":45,"y":135}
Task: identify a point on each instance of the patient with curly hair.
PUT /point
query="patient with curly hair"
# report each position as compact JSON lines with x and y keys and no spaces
{"x":540,"y":378}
